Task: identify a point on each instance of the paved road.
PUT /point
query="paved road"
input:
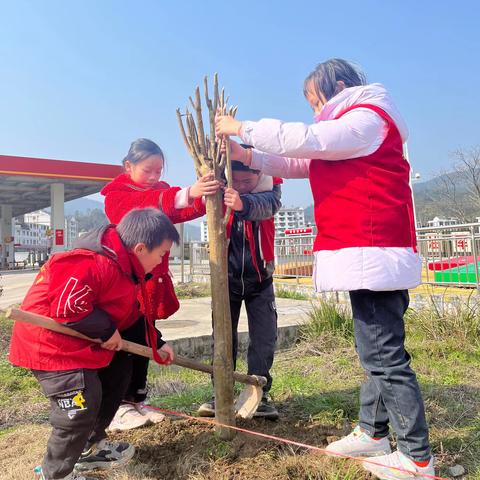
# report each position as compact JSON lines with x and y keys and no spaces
{"x":15,"y":286}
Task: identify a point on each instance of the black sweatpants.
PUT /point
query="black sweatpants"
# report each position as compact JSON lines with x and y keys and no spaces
{"x":137,"y":388}
{"x":262,"y":329}
{"x":83,"y":403}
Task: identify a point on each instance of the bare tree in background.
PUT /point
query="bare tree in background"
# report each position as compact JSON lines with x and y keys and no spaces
{"x":467,"y":165}
{"x":451,"y":199}
{"x":457,"y":192}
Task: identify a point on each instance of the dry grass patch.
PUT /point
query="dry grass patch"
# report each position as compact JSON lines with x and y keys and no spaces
{"x":22,"y":450}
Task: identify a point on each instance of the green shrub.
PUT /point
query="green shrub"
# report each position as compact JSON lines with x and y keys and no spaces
{"x":290,"y":293}
{"x":456,"y":319}
{"x":327,"y":317}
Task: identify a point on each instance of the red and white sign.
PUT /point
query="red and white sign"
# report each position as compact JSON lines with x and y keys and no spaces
{"x":299,"y":231}
{"x":59,"y":236}
{"x":463,"y":244}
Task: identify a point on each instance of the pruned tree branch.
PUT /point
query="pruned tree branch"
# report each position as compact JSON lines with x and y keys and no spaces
{"x":206,"y":151}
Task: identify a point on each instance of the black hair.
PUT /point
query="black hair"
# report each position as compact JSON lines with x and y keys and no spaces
{"x":146,"y":225}
{"x":327,"y":74}
{"x":240,"y":167}
{"x":141,"y":149}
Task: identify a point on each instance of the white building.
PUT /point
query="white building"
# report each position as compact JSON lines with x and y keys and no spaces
{"x":33,"y":230}
{"x":442,"y":222}
{"x":287,"y":218}
{"x":203,"y":232}
{"x":31,"y":235}
{"x":71,"y":231}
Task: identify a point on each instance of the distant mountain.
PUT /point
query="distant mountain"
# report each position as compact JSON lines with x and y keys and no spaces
{"x":309,"y":215}
{"x":433,"y":200}
{"x":82,"y":205}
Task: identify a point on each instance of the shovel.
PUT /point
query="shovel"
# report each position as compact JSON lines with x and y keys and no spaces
{"x":246,"y":404}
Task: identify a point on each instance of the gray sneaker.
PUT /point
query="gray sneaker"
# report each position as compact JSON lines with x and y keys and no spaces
{"x":72,"y":476}
{"x":266,"y":409}
{"x":207,"y":409}
{"x":105,"y":455}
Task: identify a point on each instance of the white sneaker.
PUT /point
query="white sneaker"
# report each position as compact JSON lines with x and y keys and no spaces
{"x":397,"y":466}
{"x":359,"y":444}
{"x":127,"y":418}
{"x":148,"y":411}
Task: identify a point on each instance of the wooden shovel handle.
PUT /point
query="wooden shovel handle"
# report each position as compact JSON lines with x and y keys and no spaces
{"x":130,"y":347}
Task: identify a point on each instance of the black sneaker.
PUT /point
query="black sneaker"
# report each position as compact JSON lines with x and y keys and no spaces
{"x":207,"y":409}
{"x":105,"y":455}
{"x":266,"y":409}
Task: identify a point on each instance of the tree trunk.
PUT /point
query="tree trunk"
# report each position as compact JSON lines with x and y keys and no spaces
{"x":207,"y":155}
{"x":222,"y":324}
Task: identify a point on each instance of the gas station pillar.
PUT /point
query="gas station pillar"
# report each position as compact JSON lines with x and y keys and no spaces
{"x":57,"y":221}
{"x":7,"y":253}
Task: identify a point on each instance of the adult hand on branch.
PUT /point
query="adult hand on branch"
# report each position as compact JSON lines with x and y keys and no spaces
{"x":232,"y":199}
{"x":227,"y":125}
{"x":205,"y":185}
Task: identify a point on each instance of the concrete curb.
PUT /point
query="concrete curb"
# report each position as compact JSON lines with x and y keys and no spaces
{"x":201,"y":347}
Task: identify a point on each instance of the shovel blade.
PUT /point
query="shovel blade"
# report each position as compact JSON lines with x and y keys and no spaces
{"x":248,"y":401}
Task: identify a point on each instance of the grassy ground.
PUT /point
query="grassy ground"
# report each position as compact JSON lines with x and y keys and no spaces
{"x":315,"y":387}
{"x":192,"y":290}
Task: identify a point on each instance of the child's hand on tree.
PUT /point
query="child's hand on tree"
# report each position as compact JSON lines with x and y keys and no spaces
{"x":114,"y":342}
{"x":232,"y":199}
{"x":204,"y":186}
{"x":237,"y":152}
{"x":166,"y":352}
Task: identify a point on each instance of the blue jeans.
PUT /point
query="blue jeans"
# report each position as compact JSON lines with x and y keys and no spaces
{"x":391,"y":393}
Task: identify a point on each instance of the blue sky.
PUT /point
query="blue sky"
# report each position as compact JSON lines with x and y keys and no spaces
{"x":81,"y":80}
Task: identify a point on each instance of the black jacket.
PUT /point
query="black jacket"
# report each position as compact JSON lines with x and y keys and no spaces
{"x":242,"y":274}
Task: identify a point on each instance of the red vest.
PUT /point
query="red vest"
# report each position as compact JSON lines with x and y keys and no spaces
{"x":365,"y":201}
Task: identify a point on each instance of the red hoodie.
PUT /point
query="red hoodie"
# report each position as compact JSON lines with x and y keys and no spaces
{"x":68,"y":288}
{"x":122,"y":195}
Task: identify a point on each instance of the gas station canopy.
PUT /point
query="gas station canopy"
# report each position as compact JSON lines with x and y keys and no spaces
{"x":25,"y":183}
{"x":29,"y":184}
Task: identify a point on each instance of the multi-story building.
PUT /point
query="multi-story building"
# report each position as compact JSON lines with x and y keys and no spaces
{"x":287,"y":218}
{"x":203,"y":232}
{"x":33,"y":230}
{"x":442,"y":222}
{"x":71,"y":231}
{"x":31,"y":235}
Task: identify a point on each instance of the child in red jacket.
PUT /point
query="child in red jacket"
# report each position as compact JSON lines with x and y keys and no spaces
{"x":92,"y":289}
{"x":140,"y":187}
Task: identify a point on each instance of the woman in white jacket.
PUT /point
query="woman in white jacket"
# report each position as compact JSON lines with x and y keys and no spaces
{"x":365,"y":244}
